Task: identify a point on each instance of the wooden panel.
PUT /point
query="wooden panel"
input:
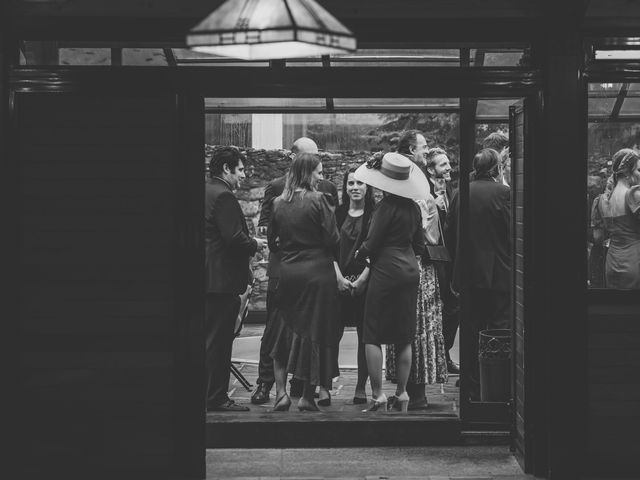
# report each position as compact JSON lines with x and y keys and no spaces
{"x":614,"y":383}
{"x":516,"y":135}
{"x":97,"y":290}
{"x":352,"y":9}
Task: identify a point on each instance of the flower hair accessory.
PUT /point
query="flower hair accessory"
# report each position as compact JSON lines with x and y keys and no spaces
{"x":375,"y":162}
{"x":628,"y":158}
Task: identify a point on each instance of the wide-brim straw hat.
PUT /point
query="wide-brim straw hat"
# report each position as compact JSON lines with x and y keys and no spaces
{"x":396,"y":174}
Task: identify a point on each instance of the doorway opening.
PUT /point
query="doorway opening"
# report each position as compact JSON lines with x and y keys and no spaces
{"x":264,"y":129}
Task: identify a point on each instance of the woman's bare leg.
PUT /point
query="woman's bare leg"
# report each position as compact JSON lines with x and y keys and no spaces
{"x":373,"y":355}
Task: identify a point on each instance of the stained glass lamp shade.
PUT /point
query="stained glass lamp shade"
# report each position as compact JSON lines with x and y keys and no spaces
{"x":270,"y":29}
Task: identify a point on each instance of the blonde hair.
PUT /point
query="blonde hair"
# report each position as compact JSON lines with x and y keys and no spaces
{"x":300,"y":175}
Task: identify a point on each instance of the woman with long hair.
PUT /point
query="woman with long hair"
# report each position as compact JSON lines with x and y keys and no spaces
{"x":392,"y":245}
{"x":619,"y":208}
{"x":353,"y":217}
{"x":304,"y":339}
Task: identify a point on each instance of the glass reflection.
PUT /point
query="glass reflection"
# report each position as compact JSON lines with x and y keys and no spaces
{"x":613,"y":186}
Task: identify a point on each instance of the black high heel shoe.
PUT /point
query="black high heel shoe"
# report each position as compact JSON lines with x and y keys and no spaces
{"x":326,"y":401}
{"x":282,"y":404}
{"x":359,"y":400}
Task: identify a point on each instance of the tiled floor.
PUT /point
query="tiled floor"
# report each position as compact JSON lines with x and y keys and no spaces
{"x":432,"y":463}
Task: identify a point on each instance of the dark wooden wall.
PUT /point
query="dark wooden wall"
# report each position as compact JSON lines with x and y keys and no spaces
{"x":558,"y":265}
{"x":99,"y":203}
{"x":517,"y":150}
{"x":614,"y":387}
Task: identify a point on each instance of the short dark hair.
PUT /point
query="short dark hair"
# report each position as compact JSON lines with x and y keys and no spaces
{"x":229,"y":156}
{"x":485,"y":164}
{"x":496,"y":140}
{"x":407,"y":140}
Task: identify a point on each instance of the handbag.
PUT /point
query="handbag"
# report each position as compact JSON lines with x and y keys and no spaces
{"x":437,"y":253}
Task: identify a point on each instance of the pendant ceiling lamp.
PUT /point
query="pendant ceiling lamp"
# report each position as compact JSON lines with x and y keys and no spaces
{"x":270,"y":29}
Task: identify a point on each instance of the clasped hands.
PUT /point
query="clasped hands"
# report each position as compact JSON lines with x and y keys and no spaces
{"x":348,"y":287}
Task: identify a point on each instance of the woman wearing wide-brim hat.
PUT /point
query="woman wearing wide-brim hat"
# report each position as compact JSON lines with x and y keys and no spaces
{"x":394,"y":240}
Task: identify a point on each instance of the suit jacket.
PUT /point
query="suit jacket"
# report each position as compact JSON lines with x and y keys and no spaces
{"x":228,"y":246}
{"x":489,"y":235}
{"x":272,"y":191}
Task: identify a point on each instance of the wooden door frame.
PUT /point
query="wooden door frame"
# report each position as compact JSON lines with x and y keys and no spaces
{"x":360,"y":82}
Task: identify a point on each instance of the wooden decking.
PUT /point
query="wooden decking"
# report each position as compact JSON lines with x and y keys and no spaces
{"x":443,"y":399}
{"x":341,"y":423}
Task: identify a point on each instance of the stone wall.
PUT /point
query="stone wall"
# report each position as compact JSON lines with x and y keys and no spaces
{"x":262,"y":167}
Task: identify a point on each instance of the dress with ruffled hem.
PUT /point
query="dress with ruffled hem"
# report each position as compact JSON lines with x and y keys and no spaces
{"x":305,"y":359}
{"x":305,"y":335}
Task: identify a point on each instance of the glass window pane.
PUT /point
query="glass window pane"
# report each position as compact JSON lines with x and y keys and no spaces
{"x":398,"y":58}
{"x":631,"y":106}
{"x":428,"y":104}
{"x":188,"y":58}
{"x":617,"y":55}
{"x":613,"y":230}
{"x":152,"y":57}
{"x":602,"y":99}
{"x":493,"y":110}
{"x":497,"y":58}
{"x":257,"y":104}
{"x":85,"y":56}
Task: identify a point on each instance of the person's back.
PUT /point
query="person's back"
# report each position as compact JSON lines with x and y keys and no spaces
{"x":303,"y":224}
{"x":489,"y":231}
{"x":402,"y":219}
{"x":489,"y":240}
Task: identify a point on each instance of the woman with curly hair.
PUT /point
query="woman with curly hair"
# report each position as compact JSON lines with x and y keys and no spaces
{"x":619,"y":208}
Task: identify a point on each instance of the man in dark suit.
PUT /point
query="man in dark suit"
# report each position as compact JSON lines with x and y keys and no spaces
{"x":489,"y":258}
{"x":228,"y":250}
{"x":438,"y":171}
{"x":271,"y":192}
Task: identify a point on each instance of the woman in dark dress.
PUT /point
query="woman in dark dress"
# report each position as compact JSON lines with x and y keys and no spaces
{"x":394,"y":240}
{"x":305,"y":337}
{"x":353,"y":217}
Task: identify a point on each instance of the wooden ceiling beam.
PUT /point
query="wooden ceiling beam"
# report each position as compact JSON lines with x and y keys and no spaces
{"x":170,"y":32}
{"x":352,"y":9}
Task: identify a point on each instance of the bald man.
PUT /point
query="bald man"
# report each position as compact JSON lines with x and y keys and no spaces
{"x":271,"y":192}
{"x":304,"y":145}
